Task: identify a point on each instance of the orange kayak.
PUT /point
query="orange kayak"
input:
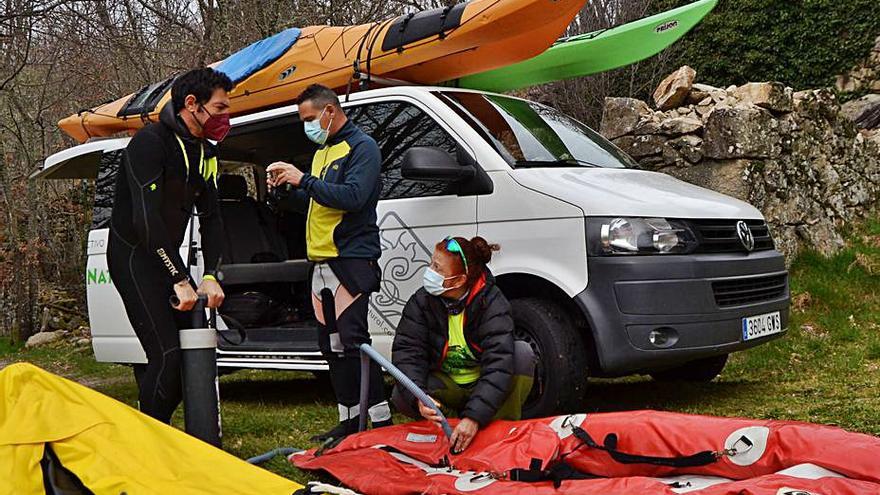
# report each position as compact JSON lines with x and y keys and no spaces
{"x":428,"y":47}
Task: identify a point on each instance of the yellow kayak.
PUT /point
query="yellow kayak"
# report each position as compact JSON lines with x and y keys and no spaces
{"x":428,"y":47}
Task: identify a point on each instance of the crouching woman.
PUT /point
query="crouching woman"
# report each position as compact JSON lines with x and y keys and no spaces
{"x":455,"y":341}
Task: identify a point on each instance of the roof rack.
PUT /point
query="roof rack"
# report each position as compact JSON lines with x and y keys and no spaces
{"x":365,"y":79}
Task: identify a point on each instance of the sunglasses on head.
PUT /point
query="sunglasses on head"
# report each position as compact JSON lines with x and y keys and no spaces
{"x":454,"y":247}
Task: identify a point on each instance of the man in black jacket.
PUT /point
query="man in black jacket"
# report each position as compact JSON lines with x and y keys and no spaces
{"x":169,"y":168}
{"x":455,"y":341}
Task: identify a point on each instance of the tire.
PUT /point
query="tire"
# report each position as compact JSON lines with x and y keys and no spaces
{"x":701,"y":370}
{"x":561,"y":368}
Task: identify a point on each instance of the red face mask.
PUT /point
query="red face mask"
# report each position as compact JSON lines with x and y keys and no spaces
{"x":216,"y":127}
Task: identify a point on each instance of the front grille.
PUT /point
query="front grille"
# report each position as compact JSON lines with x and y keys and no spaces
{"x":740,"y":291}
{"x":719,"y":236}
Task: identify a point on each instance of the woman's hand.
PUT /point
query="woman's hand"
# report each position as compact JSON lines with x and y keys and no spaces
{"x":428,"y":413}
{"x":463,"y":435}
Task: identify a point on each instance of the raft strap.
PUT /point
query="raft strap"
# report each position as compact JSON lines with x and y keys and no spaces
{"x":557,"y":473}
{"x":610,"y":445}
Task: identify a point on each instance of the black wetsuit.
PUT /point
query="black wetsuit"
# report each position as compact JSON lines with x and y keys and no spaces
{"x":155,"y":195}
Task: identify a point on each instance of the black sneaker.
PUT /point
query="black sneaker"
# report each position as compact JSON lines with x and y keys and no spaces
{"x":341,"y":430}
{"x":382,"y":424}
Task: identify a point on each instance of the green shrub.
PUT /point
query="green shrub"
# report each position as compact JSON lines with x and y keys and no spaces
{"x":802,"y":43}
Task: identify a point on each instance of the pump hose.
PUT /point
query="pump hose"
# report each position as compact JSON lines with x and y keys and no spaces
{"x":285,"y":451}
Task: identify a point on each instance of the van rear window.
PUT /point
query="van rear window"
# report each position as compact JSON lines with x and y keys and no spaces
{"x":105,"y":188}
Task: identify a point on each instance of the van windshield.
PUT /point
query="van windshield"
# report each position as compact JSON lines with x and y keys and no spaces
{"x":528,"y":134}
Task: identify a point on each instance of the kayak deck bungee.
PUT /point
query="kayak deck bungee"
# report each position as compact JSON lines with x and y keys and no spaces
{"x":424,"y":48}
{"x":594,"y":52}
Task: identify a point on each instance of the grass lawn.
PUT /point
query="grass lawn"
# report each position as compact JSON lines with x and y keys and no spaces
{"x":826,"y":370}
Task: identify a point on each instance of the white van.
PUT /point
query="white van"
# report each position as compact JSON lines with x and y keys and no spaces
{"x":611,"y":270}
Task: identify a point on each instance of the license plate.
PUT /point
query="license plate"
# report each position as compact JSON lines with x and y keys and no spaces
{"x":755,"y":327}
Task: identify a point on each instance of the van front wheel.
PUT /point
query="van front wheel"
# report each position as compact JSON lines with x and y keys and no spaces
{"x":561,"y":367}
{"x":701,"y":370}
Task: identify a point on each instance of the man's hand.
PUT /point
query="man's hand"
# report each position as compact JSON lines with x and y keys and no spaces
{"x":428,"y":413}
{"x":214,"y":292}
{"x":463,"y":435}
{"x":283,"y":173}
{"x":186,"y":295}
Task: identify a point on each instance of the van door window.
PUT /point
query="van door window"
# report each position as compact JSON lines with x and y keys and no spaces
{"x":105,"y":188}
{"x":528,"y":134}
{"x":397,"y":127}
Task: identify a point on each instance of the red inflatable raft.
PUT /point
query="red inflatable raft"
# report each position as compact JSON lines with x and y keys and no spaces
{"x":644,"y":452}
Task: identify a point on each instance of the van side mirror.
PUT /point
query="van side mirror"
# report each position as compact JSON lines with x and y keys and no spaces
{"x":431,"y":163}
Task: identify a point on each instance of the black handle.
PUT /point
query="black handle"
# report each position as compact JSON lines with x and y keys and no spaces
{"x":201,"y":301}
{"x":198,"y":311}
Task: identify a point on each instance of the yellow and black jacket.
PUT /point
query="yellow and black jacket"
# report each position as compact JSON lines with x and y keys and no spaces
{"x":342,"y":192}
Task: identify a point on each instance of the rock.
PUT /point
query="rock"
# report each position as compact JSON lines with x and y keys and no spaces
{"x":704,"y":110}
{"x":727,"y":176}
{"x":680,"y":125}
{"x":770,"y":95}
{"x":43,"y":338}
{"x":641,"y":146}
{"x":620,"y":116}
{"x":845,"y":84}
{"x":821,"y":236}
{"x":706,"y":88}
{"x":83,"y":342}
{"x":647,"y":127}
{"x":696,"y":96}
{"x":689,"y":147}
{"x":739,"y":132}
{"x":673,"y":90}
{"x":860,"y":110}
{"x":670,"y":155}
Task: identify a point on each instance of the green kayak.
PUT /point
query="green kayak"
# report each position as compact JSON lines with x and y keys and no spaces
{"x":594,"y":52}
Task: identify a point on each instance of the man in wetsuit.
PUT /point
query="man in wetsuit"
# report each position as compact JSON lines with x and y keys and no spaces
{"x":169,"y":168}
{"x":342,"y":238}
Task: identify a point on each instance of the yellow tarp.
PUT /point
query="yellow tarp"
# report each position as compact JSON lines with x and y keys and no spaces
{"x":110,"y":446}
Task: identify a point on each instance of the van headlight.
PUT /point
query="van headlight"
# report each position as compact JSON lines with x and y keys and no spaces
{"x":626,"y":235}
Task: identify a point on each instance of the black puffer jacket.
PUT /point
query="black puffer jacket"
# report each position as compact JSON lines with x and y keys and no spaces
{"x":423,"y":335}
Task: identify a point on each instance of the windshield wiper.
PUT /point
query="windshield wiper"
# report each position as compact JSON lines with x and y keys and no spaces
{"x":555,"y":163}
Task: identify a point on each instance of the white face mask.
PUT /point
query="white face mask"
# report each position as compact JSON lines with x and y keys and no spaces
{"x":433,"y":282}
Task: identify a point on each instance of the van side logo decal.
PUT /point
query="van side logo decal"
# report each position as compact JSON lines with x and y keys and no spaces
{"x":404,"y":256}
{"x":96,"y":276}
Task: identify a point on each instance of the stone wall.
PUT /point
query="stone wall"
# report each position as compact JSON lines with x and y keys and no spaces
{"x":791,"y":154}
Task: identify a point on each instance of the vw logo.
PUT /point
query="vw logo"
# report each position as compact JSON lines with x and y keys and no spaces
{"x":745,"y":236}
